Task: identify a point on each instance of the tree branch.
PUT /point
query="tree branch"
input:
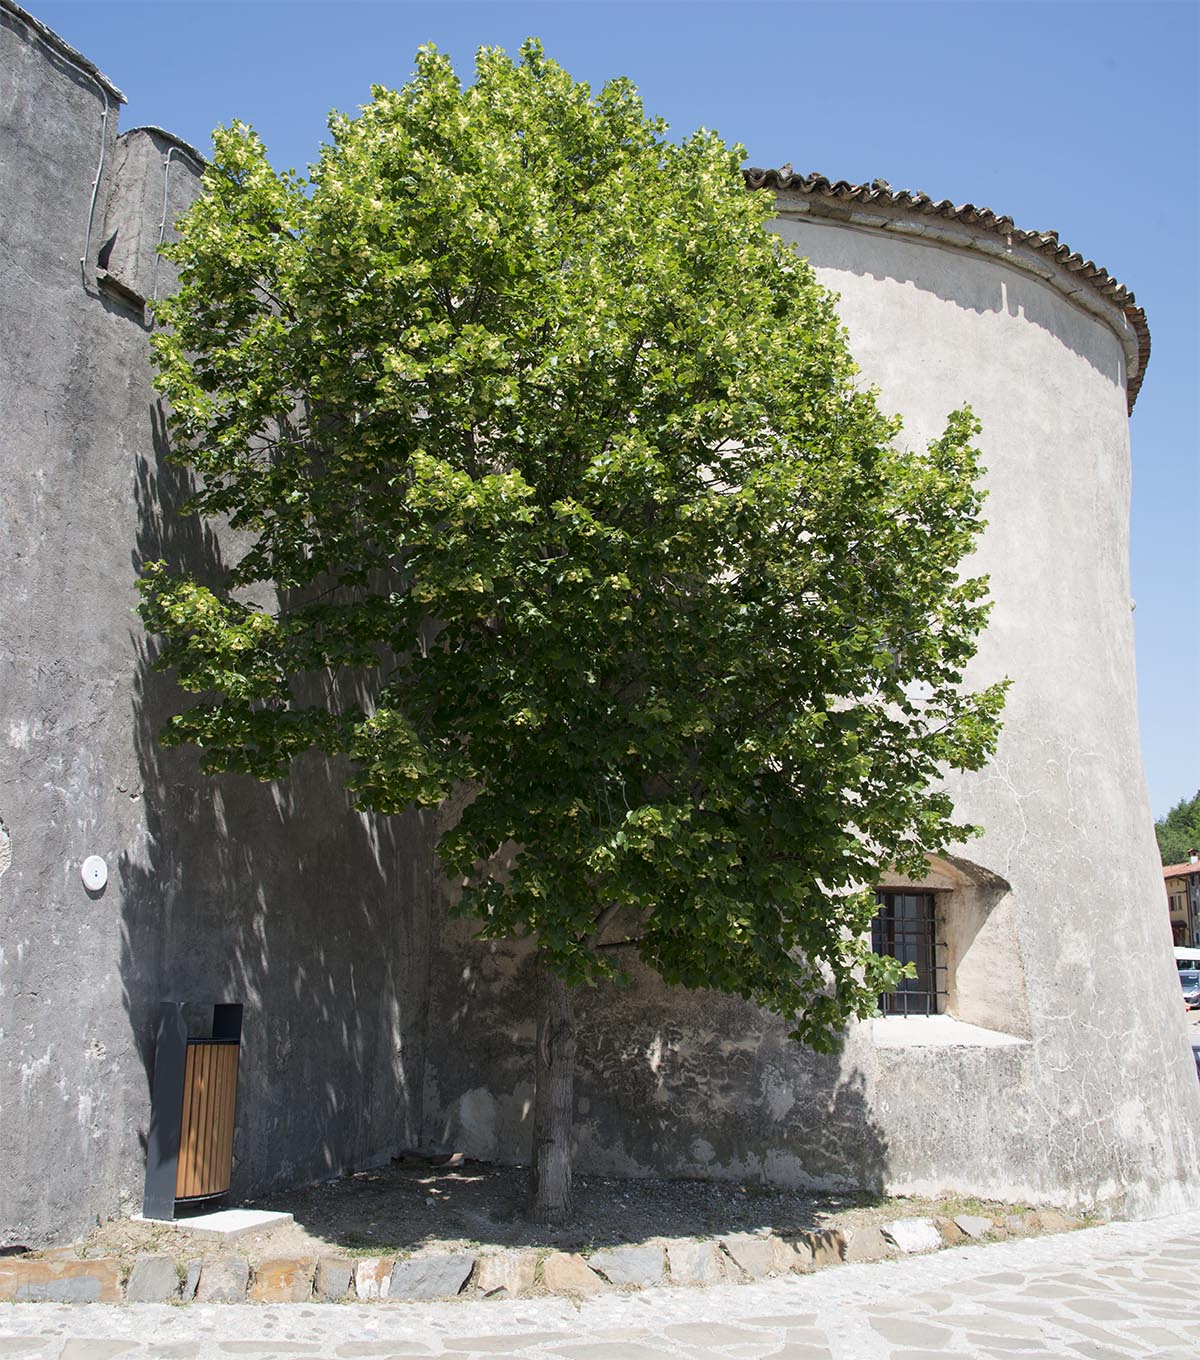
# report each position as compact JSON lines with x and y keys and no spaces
{"x":603,"y":921}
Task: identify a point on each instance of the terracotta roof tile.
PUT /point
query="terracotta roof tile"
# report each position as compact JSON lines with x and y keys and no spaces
{"x":1046,"y":243}
{"x":1180,"y":870}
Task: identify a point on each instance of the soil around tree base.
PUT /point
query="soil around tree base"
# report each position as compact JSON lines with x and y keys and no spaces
{"x":413,"y":1206}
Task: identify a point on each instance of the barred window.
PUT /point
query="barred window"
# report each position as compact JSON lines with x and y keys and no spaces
{"x":906,"y":927}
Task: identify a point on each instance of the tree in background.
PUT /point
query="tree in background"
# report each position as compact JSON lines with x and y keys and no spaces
{"x":537,"y":433}
{"x":1179,"y":831}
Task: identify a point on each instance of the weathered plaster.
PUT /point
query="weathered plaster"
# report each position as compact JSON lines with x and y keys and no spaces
{"x":1063,"y":1074}
{"x":279,"y":896}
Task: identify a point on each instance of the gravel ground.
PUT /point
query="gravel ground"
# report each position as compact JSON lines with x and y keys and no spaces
{"x":413,"y":1206}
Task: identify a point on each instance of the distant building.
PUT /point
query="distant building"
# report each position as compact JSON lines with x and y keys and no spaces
{"x":1183,"y":899}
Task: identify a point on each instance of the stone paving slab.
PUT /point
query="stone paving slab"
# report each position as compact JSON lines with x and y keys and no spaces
{"x":227,"y":1225}
{"x":1124,"y":1290}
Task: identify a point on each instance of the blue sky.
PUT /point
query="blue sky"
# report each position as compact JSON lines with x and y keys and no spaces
{"x":1076,"y":116}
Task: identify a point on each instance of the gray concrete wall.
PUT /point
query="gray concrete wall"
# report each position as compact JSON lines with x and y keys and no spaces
{"x":278,"y":896}
{"x":1062,"y":1071}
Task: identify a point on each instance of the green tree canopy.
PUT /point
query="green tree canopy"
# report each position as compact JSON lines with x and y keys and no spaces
{"x":1179,"y":831}
{"x":535,"y":429}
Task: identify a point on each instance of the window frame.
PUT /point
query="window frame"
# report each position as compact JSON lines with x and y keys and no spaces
{"x":908,"y":921}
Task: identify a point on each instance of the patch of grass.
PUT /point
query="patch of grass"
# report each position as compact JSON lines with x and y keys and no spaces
{"x":363,"y":1244}
{"x":951,"y":1205}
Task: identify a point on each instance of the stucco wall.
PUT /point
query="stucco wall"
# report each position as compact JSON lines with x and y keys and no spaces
{"x":277,"y":896}
{"x":1111,"y":1108}
{"x":1074,"y":1083}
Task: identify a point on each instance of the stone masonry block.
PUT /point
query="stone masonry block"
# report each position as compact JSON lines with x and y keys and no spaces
{"x":223,"y":1280}
{"x":638,"y":1266}
{"x":912,"y":1234}
{"x":335,"y":1275}
{"x":283,"y":1280}
{"x":60,"y":1281}
{"x":191,"y":1280}
{"x":373,"y":1277}
{"x":1053,"y":1221}
{"x":802,"y":1258}
{"x":431,"y":1277}
{"x":153,"y":1279}
{"x":507,"y":1272}
{"x":821,"y":1247}
{"x":786,"y":1255}
{"x":695,"y":1263}
{"x":759,"y":1256}
{"x":973,"y":1225}
{"x":568,"y":1273}
{"x":867,"y":1244}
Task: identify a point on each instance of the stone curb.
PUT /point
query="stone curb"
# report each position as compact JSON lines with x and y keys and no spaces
{"x":732,"y":1258}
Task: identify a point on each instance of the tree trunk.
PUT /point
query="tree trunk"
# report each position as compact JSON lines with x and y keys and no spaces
{"x":550,"y":1197}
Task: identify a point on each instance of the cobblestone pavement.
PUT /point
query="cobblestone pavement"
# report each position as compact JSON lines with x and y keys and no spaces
{"x":1124,"y":1290}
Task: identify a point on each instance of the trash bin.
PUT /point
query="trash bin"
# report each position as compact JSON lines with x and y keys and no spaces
{"x":189,"y":1152}
{"x":206,"y":1125}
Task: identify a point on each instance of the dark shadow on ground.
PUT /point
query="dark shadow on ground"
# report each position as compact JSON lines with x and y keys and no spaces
{"x":401,"y":1208}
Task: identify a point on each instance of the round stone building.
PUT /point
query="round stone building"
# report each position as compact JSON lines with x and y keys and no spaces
{"x":1043,"y":1055}
{"x":1045,"y":1059}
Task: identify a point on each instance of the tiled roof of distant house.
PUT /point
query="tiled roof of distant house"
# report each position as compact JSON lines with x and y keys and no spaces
{"x":1181,"y":870}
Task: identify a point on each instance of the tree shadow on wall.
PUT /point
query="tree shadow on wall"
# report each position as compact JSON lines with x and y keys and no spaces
{"x":670,"y":1083}
{"x":696,"y":1116}
{"x":280,"y":897}
{"x":703,"y":1083}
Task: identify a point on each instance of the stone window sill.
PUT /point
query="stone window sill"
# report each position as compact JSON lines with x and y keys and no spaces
{"x":937,"y":1031}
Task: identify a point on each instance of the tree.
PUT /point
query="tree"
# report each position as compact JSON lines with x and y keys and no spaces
{"x":539,"y":434}
{"x":1179,"y":831}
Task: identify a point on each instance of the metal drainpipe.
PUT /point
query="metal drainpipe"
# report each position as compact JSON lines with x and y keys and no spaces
{"x":162,"y":226}
{"x":87,"y":239}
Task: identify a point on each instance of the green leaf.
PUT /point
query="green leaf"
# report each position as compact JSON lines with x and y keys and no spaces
{"x":553,"y":480}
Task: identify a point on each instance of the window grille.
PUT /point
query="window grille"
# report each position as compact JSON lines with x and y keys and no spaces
{"x":906,"y":928}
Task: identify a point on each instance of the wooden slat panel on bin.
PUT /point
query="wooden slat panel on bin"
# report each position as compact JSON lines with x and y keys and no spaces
{"x":195,"y":1133}
{"x":187,"y":1126}
{"x":206,"y":1132}
{"x":210,"y":1171}
{"x":204,"y":1123}
{"x":229,"y":1070}
{"x":203,"y":1110}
